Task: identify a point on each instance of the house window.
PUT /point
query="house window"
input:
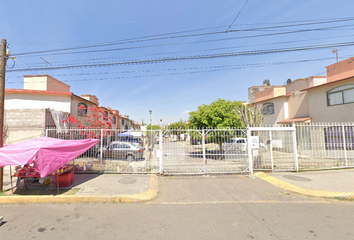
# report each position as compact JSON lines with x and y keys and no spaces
{"x":340,"y":95}
{"x":82,"y":109}
{"x":122,"y":121}
{"x":106,"y":113}
{"x":268,"y":108}
{"x":114,"y":120}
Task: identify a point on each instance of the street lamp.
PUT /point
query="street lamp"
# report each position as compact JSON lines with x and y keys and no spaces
{"x":150,"y":111}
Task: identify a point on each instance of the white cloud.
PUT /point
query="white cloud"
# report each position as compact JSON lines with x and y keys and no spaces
{"x":186,"y":112}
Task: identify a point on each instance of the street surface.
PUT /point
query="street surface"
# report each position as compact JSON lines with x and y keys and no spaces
{"x":198,"y":207}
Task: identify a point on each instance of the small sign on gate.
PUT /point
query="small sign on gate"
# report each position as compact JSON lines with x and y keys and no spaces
{"x":254,"y":141}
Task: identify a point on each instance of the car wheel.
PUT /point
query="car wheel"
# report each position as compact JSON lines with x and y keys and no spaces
{"x":130,"y":157}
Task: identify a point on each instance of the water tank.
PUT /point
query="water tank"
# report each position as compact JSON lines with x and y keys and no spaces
{"x":266,"y":82}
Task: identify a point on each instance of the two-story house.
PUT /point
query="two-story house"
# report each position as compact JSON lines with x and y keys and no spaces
{"x":285,"y":104}
{"x":314,"y":99}
{"x":44,"y":102}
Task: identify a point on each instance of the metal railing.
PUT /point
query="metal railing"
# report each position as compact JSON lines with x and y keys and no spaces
{"x":218,"y":151}
{"x":325,"y":145}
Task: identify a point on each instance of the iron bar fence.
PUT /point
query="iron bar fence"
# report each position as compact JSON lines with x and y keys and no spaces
{"x":310,"y":146}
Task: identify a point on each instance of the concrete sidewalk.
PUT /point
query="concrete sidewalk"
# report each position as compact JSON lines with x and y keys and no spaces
{"x":331,"y":183}
{"x":97,"y":188}
{"x":138,"y":187}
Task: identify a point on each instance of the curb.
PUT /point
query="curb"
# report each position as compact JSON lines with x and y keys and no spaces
{"x":148,"y":195}
{"x":309,"y":192}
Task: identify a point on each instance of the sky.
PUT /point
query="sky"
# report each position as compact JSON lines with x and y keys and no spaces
{"x":173,"y":56}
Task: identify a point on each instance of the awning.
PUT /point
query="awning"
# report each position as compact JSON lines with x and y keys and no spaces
{"x":291,"y":120}
{"x":47,"y":154}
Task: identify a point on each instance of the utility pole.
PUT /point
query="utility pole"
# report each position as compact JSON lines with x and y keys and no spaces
{"x":2,"y":101}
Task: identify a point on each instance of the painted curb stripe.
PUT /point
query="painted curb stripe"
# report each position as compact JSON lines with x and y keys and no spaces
{"x":290,"y":187}
{"x":148,"y":195}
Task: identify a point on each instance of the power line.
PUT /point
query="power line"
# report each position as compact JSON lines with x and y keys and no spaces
{"x":194,"y":30}
{"x":195,"y":57}
{"x":237,"y":15}
{"x":202,"y":41}
{"x":211,"y":69}
{"x":181,"y":36}
{"x":202,"y":50}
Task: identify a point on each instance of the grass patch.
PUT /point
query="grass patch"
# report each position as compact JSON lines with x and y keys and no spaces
{"x":40,"y":192}
{"x":344,"y":199}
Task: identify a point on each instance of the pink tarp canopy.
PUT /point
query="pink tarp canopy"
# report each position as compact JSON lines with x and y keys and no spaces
{"x":47,"y":154}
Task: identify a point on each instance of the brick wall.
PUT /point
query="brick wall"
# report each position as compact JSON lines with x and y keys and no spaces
{"x":25,"y":124}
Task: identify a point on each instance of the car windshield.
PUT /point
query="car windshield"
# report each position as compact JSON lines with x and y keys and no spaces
{"x":136,"y":144}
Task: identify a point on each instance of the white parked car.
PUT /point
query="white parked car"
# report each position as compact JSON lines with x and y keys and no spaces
{"x":122,"y":150}
{"x":239,"y":144}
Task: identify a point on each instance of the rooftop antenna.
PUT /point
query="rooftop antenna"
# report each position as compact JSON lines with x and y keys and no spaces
{"x":334,"y":50}
{"x":46,"y":65}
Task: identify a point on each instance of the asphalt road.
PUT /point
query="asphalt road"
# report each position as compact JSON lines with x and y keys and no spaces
{"x":244,"y":220}
{"x":221,"y":207}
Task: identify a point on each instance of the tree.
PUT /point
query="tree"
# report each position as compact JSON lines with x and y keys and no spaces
{"x":98,"y":120}
{"x":178,"y":125}
{"x":219,"y":116}
{"x":178,"y":128}
{"x":153,"y":127}
{"x":251,"y":116}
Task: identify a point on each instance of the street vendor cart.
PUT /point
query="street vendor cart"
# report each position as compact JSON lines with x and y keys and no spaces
{"x":43,"y":157}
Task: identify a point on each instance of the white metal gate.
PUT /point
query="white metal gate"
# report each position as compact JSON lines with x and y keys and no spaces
{"x":276,"y":150}
{"x":201,"y":151}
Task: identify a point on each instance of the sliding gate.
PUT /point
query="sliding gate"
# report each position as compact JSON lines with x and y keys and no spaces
{"x":202,"y":151}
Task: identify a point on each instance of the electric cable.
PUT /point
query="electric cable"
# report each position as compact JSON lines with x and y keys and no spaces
{"x":216,"y":69}
{"x":164,"y":38}
{"x":181,"y":43}
{"x":190,"y":51}
{"x":195,"y":57}
{"x":237,"y":15}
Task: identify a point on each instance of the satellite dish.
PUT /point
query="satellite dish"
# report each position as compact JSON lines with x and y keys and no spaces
{"x":288,"y":81}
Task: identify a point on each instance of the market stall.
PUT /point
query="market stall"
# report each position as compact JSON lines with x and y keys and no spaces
{"x":44,"y":156}
{"x":29,"y":176}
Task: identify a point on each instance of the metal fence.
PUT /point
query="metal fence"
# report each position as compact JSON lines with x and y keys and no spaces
{"x":213,"y":151}
{"x":325,"y":145}
{"x":119,"y":151}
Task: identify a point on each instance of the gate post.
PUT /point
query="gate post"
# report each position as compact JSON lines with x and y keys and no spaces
{"x":101,"y":148}
{"x":204,"y":158}
{"x":344,"y":146}
{"x":250,"y":164}
{"x":271,"y":150}
{"x":160,"y":148}
{"x":295,"y":149}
